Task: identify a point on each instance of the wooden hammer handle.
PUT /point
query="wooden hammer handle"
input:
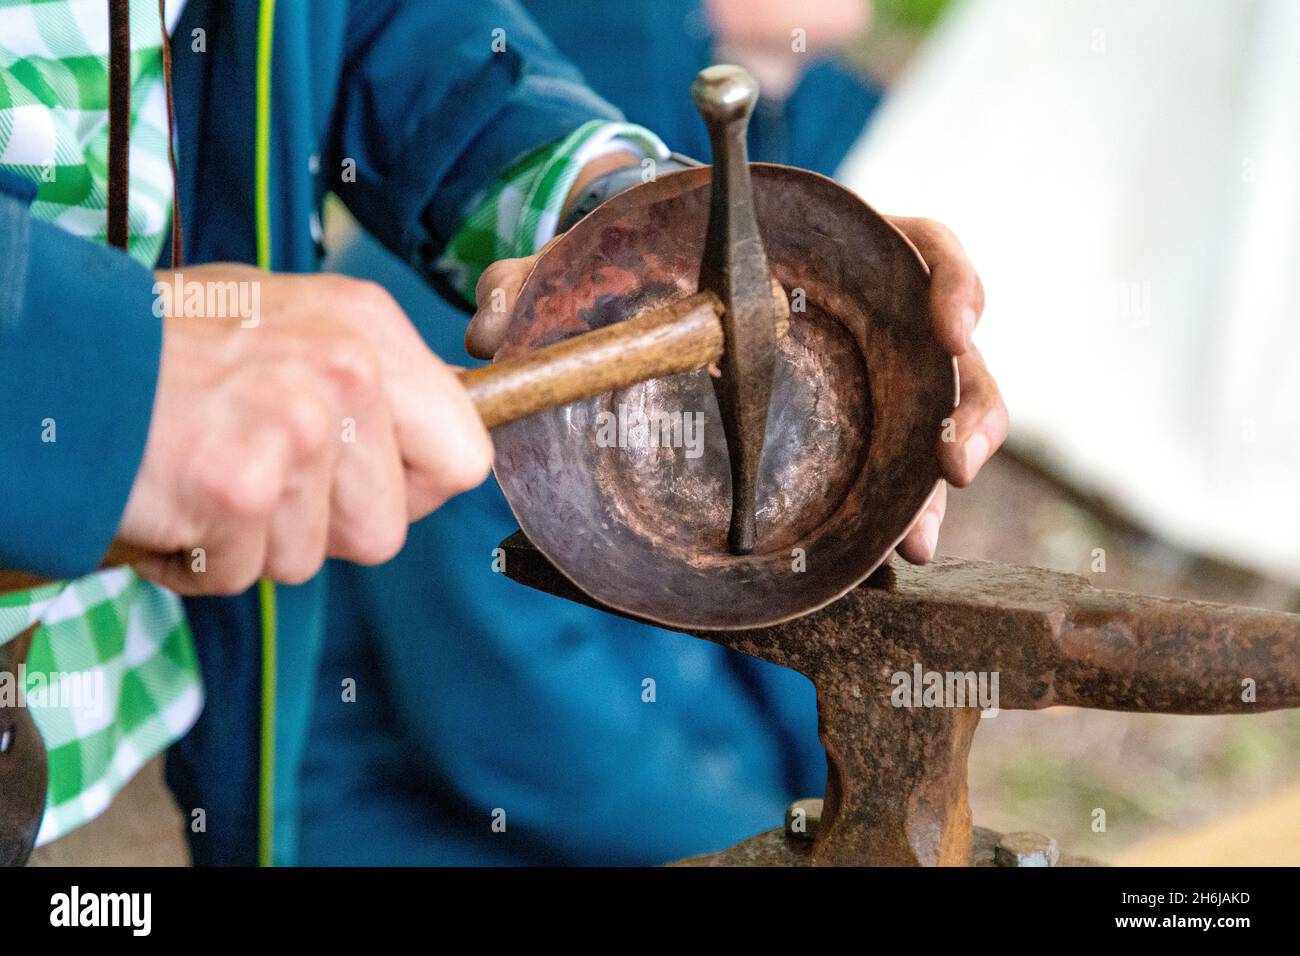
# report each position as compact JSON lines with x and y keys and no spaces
{"x":680,"y":337}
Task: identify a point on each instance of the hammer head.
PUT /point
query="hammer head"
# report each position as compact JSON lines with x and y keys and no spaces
{"x":734,"y":267}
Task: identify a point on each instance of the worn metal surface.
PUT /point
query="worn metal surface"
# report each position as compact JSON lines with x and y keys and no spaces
{"x":781,"y":848}
{"x":860,"y":390}
{"x":734,"y":267}
{"x":23,"y":766}
{"x":896,"y":788}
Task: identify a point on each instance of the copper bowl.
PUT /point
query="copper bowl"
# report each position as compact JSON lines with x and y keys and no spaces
{"x":637,"y":516}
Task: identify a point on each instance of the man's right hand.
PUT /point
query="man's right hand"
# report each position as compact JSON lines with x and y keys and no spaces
{"x":321,"y":430}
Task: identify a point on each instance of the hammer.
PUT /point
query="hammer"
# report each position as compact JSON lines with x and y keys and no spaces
{"x":732,"y":323}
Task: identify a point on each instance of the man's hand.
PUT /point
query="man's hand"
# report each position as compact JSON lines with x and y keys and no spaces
{"x":980,"y":421}
{"x":956,"y":302}
{"x":320,"y":426}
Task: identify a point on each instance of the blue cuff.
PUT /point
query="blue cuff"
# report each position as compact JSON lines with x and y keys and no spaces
{"x":79,"y":354}
{"x":535,"y":111}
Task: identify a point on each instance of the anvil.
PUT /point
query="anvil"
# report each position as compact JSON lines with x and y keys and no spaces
{"x":896,"y":787}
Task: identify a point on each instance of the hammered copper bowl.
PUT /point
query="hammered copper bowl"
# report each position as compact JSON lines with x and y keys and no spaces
{"x":638,"y":520}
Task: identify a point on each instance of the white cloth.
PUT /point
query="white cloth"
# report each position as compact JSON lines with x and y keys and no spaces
{"x":1124,"y":174}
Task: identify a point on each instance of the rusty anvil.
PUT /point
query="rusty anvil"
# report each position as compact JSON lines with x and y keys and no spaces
{"x":896,"y":785}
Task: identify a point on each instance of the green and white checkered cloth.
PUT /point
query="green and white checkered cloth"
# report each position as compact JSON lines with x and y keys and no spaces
{"x":521,"y":213}
{"x":112,"y":677}
{"x":54,"y":115}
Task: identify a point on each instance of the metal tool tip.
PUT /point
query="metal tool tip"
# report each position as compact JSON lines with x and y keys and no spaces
{"x":724,"y":92}
{"x":740,"y":539}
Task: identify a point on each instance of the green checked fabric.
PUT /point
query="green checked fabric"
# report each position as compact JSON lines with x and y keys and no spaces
{"x":54,"y":115}
{"x":521,"y":213}
{"x":111,"y":678}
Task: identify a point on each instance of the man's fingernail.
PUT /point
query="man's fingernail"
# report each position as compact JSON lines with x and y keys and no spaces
{"x":968,"y":318}
{"x":930,"y":533}
{"x":975,"y":453}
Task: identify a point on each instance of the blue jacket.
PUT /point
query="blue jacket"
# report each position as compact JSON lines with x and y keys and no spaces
{"x":641,"y":55}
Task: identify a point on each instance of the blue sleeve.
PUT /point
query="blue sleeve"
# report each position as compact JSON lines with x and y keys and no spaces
{"x":438,"y":99}
{"x":79,"y":353}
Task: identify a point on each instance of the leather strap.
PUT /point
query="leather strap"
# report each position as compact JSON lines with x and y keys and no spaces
{"x":119,"y":120}
{"x":178,"y":237}
{"x":119,"y":127}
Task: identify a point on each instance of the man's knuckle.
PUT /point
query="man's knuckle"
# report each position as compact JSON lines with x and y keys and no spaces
{"x":381,"y":541}
{"x":296,"y":567}
{"x":350,"y":362}
{"x":363,"y":295}
{"x":470,"y":468}
{"x":241,"y":487}
{"x":231,"y":578}
{"x":391,"y":539}
{"x":487,"y":281}
{"x":306,"y":422}
{"x":937,"y":230}
{"x":499,"y":275}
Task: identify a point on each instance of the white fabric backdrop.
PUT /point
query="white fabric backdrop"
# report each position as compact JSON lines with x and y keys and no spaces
{"x":1124,"y":174}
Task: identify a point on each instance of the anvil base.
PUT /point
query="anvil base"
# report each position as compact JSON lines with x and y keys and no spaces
{"x":906,"y":665}
{"x":778,"y":848}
